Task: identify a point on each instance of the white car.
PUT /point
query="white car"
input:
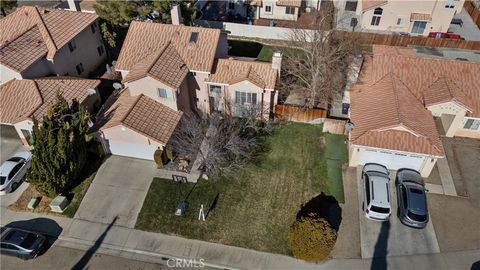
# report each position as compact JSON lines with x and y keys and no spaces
{"x":13,"y":170}
{"x":376,"y":192}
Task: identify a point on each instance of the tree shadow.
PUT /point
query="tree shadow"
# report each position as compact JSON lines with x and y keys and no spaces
{"x":45,"y":226}
{"x":379,"y":260}
{"x":82,"y":263}
{"x":213,"y":205}
{"x":324,"y":206}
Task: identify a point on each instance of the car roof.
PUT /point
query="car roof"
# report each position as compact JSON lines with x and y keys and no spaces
{"x":15,"y":236}
{"x":407,"y":175}
{"x":417,"y":200}
{"x":7,"y":167}
{"x":379,"y":190}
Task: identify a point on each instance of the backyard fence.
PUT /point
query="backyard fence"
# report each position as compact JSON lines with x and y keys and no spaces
{"x":299,"y":114}
{"x":473,"y":10}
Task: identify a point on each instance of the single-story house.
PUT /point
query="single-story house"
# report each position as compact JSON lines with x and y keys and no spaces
{"x":24,"y":100}
{"x":396,"y":100}
{"x":135,"y":126}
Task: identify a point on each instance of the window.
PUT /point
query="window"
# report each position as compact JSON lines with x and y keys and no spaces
{"x":245,"y":98}
{"x":193,"y":73}
{"x":231,"y":5}
{"x":215,"y":88}
{"x":72,"y":46}
{"x":376,"y":16}
{"x":418,"y":27}
{"x":100,"y":50}
{"x":400,"y":21}
{"x":472,"y":124}
{"x":14,"y":171}
{"x":27,"y":134}
{"x":404,"y":196}
{"x":450,"y":4}
{"x":268,"y":8}
{"x":378,"y":11}
{"x":93,"y":27}
{"x":79,"y":68}
{"x":351,"y":6}
{"x":164,"y":93}
{"x":367,"y":189}
{"x":290,"y":10}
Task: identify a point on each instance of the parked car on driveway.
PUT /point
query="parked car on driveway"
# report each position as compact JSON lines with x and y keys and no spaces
{"x":21,"y":243}
{"x":13,"y":170}
{"x":376,"y":192}
{"x":411,"y":197}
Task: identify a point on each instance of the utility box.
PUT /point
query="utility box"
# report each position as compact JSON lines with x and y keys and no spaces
{"x":59,"y":204}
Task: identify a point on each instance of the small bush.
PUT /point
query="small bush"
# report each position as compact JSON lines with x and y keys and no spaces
{"x":311,"y":238}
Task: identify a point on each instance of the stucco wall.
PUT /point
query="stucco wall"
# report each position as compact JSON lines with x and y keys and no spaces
{"x":85,"y":53}
{"x":199,"y":89}
{"x":471,"y":133}
{"x":6,"y":74}
{"x":393,"y":10}
{"x":277,"y":12}
{"x":149,"y":87}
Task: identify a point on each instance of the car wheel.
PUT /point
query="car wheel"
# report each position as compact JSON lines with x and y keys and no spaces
{"x":14,"y":187}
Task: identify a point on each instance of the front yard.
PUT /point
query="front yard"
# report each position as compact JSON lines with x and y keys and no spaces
{"x":255,"y":208}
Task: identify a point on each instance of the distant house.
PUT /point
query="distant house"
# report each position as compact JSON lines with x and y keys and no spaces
{"x":23,"y":100}
{"x":37,"y":42}
{"x":288,"y":10}
{"x":412,"y":17}
{"x":402,"y":103}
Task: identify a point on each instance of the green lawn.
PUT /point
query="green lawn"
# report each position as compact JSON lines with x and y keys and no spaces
{"x":255,"y":207}
{"x":337,"y":155}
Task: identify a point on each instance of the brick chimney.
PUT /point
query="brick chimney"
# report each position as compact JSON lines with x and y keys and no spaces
{"x":74,"y":5}
{"x":277,"y":61}
{"x":176,"y":15}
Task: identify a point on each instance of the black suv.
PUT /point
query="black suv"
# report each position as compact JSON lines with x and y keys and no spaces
{"x":411,"y":197}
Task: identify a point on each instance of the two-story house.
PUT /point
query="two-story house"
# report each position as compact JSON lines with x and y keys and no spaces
{"x":412,"y":17}
{"x":37,"y":42}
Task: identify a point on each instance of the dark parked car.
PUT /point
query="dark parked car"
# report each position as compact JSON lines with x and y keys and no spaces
{"x":21,"y":243}
{"x":412,"y":200}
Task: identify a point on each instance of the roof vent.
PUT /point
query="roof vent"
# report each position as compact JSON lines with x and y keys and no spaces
{"x":91,"y":91}
{"x":193,"y":37}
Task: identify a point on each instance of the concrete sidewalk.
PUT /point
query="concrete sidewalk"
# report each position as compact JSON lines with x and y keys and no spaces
{"x":156,"y":248}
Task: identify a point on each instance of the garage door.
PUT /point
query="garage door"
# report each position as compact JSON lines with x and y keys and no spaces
{"x":131,"y":149}
{"x":393,"y":161}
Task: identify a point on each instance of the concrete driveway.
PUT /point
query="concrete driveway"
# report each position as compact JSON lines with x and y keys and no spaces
{"x":379,"y":239}
{"x":118,"y":190}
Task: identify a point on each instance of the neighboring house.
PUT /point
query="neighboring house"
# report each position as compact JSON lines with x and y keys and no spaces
{"x":24,"y":100}
{"x":412,"y":17}
{"x":277,"y":9}
{"x":394,"y":104}
{"x":169,"y":63}
{"x":37,"y":42}
{"x":237,"y":84}
{"x":135,"y":126}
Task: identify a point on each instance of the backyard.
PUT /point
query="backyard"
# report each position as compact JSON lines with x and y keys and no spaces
{"x":250,"y":49}
{"x":254,"y":208}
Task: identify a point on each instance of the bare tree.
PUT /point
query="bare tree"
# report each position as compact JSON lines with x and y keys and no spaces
{"x":220,"y":142}
{"x":315,"y":65}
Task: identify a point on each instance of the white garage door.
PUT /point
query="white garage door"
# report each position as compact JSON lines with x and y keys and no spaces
{"x":393,"y":161}
{"x":131,"y":149}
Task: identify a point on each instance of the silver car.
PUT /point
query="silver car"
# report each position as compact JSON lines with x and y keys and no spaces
{"x":412,"y":199}
{"x":21,"y":243}
{"x":376,"y":192}
{"x":13,"y":170}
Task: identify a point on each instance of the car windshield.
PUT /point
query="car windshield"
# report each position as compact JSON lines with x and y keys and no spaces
{"x":380,"y":209}
{"x":21,"y":238}
{"x":15,"y":159}
{"x":2,"y":180}
{"x":416,"y":217}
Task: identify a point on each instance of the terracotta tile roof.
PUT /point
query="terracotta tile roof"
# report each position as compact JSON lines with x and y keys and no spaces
{"x":230,"y":71}
{"x":54,"y":27}
{"x":142,"y":114}
{"x":22,"y":99}
{"x":444,"y":90}
{"x":144,"y":39}
{"x":165,"y":65}
{"x":369,"y":4}
{"x":392,"y":50}
{"x":420,"y":17}
{"x":289,"y":3}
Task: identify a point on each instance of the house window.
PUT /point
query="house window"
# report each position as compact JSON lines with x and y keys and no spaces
{"x":231,"y":5}
{"x":290,"y":10}
{"x":268,"y":8}
{"x":100,"y":50}
{"x":72,"y":46}
{"x":400,"y":21}
{"x":164,"y":93}
{"x":351,"y":6}
{"x":79,"y":68}
{"x":450,"y":4}
{"x":193,"y":73}
{"x":215,"y":88}
{"x":376,"y":16}
{"x":472,"y":124}
{"x":93,"y":27}
{"x":245,"y":98}
{"x":27,"y":134}
{"x":418,"y":27}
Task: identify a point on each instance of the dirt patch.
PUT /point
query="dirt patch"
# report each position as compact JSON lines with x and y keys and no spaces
{"x":22,"y":202}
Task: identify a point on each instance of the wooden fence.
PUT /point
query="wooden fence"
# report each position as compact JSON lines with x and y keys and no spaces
{"x":473,"y":10}
{"x":396,"y":40}
{"x":298,"y":114}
